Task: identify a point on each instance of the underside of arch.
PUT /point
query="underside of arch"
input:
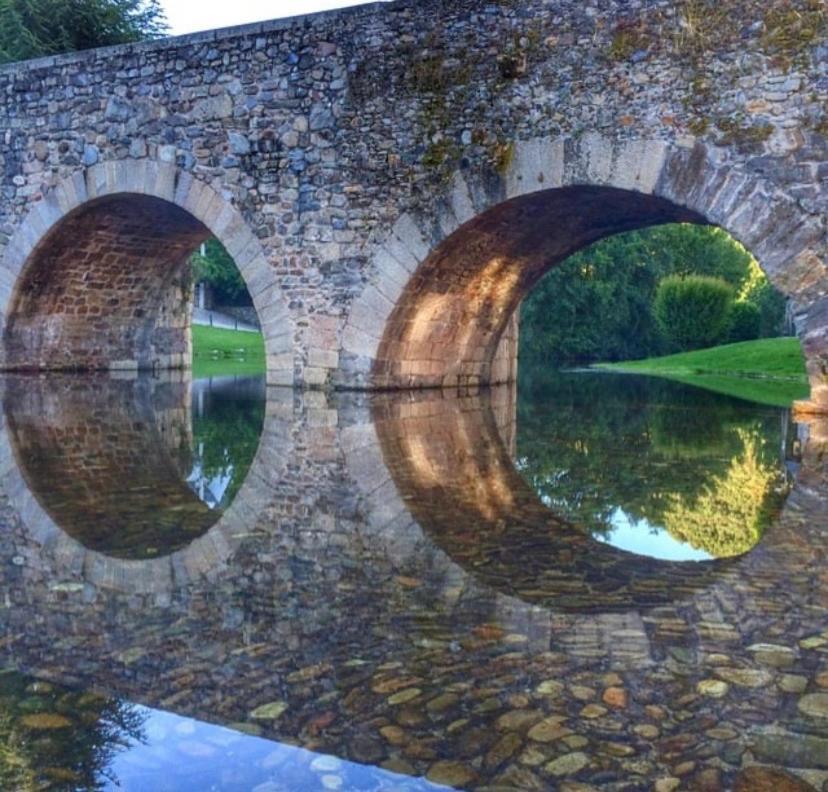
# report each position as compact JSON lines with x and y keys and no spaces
{"x":451,"y":325}
{"x":108,"y":287}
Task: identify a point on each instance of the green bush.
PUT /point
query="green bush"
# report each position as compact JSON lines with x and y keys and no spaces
{"x":597,"y":305}
{"x":692,"y":312}
{"x":745,"y":322}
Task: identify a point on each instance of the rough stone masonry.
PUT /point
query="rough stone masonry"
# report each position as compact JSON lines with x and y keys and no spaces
{"x":393,"y":179}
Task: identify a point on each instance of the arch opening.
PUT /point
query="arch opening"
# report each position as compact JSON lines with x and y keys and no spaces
{"x":109,"y":287}
{"x":455,"y":323}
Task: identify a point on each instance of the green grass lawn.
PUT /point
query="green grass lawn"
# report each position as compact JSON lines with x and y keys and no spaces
{"x":226,"y":352}
{"x":768,"y":371}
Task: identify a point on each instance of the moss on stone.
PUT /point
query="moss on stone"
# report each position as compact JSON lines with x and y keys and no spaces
{"x":628,"y":38}
{"x":735,"y":131}
{"x":502,"y":154}
{"x":790,"y":30}
{"x":428,"y":75}
{"x":698,"y":126}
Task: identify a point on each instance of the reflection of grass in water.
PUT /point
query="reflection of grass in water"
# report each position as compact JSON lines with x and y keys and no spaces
{"x":218,"y":352}
{"x":728,"y":516}
{"x":768,"y":371}
{"x":772,"y":392}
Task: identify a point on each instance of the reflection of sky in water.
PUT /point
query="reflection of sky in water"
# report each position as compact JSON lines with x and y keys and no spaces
{"x":209,"y":489}
{"x":639,"y":536}
{"x":181,"y":755}
{"x":636,"y":536}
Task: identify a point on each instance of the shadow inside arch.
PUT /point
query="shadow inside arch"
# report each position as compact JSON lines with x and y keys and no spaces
{"x":99,"y":272}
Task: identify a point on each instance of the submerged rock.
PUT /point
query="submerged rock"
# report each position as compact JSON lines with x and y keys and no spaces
{"x":568,"y":764}
{"x":769,"y":779}
{"x":270,"y":711}
{"x":815,"y":705}
{"x":43,"y":721}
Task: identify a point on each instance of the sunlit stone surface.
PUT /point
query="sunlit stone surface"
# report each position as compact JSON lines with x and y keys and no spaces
{"x":386,"y":589}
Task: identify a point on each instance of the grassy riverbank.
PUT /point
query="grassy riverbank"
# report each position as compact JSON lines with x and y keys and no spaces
{"x":219,"y":352}
{"x":768,"y":371}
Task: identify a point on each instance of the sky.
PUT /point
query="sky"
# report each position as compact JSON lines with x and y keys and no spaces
{"x":186,"y":16}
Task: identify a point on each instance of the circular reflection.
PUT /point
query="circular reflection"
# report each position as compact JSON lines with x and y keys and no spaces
{"x":507,"y":490}
{"x":134,"y":468}
{"x":653,"y":467}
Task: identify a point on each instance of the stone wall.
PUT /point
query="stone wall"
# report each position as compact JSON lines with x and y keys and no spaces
{"x":334,"y":154}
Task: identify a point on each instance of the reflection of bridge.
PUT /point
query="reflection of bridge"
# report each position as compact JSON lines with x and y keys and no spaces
{"x":391,"y":192}
{"x":99,"y":467}
{"x":342,"y":584}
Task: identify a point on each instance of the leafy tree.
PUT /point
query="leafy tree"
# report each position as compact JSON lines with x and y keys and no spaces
{"x":745,"y":322}
{"x":31,"y":28}
{"x":728,"y":516}
{"x":59,"y":739}
{"x":596,"y":305}
{"x":225,"y":441}
{"x":216,"y":266}
{"x":771,"y":306}
{"x":692,"y":312}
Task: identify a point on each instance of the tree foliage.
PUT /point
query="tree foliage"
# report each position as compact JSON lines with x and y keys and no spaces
{"x":692,"y":312}
{"x":597,"y":305}
{"x":216,"y":266}
{"x":32,"y":28}
{"x":745,"y":322}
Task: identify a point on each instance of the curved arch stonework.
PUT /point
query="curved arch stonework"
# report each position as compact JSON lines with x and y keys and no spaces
{"x":200,"y":211}
{"x":634,"y":183}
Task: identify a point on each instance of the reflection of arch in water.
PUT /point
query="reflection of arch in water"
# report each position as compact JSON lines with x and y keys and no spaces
{"x":452,"y":467}
{"x":67,"y":443}
{"x":440,"y":309}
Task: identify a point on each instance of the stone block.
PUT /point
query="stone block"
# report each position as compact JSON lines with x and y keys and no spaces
{"x":537,"y":164}
{"x":314,"y":377}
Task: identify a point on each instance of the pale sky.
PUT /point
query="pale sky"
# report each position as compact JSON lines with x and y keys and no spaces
{"x":188,"y":16}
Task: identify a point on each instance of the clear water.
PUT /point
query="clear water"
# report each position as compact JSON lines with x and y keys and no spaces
{"x":211,"y":585}
{"x":651,"y":466}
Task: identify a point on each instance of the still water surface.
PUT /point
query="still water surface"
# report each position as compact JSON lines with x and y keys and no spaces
{"x":212,"y":586}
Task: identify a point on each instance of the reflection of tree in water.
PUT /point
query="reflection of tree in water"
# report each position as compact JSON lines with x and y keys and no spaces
{"x":703,"y":466}
{"x":728,"y":515}
{"x":225,"y":440}
{"x":52,"y":738}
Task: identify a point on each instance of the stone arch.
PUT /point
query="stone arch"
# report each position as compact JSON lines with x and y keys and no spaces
{"x":143,"y":214}
{"x":445,"y":283}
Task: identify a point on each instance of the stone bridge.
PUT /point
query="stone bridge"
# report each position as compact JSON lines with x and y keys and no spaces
{"x":392,"y":180}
